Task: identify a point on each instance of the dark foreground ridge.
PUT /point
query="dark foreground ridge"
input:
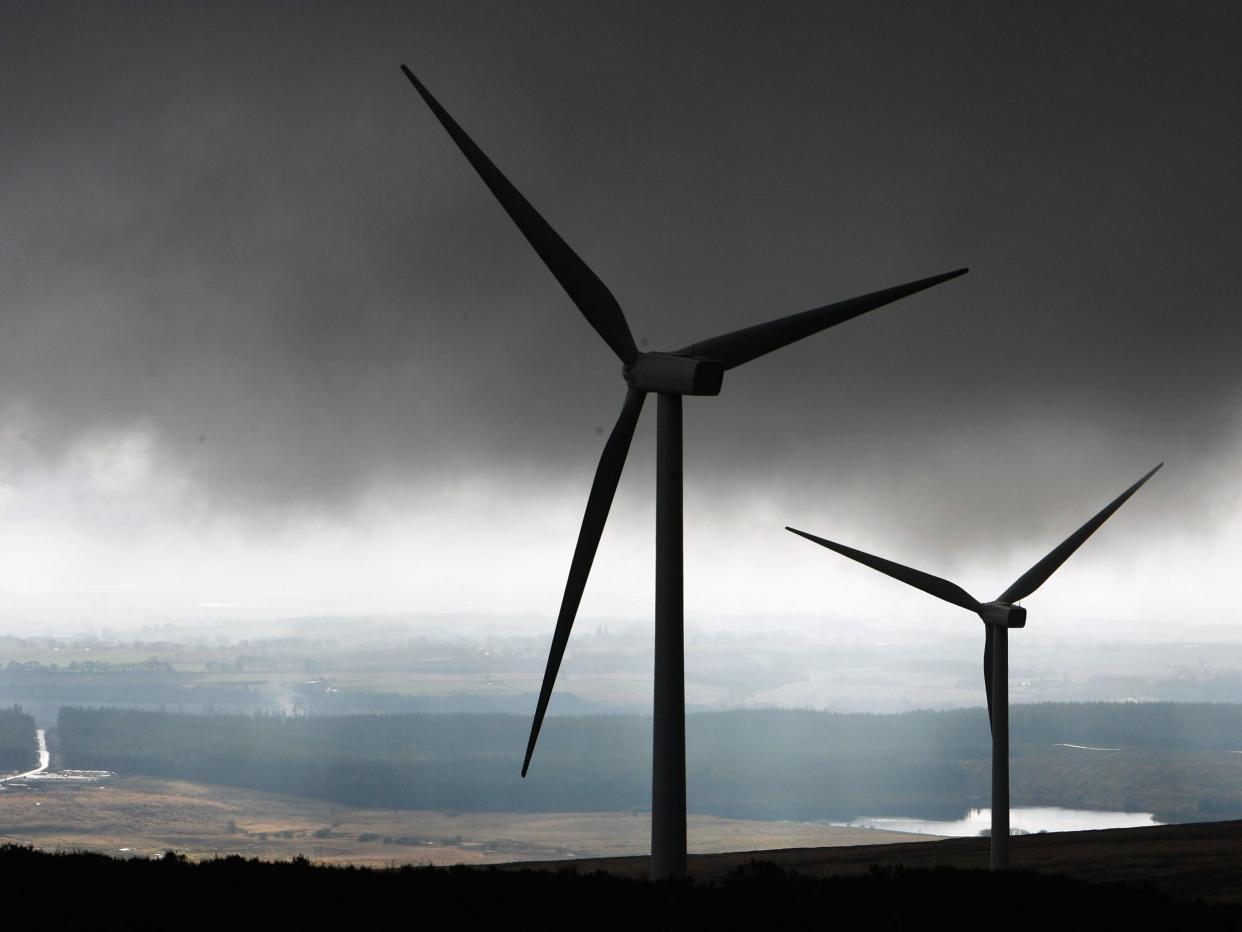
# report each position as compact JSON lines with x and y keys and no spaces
{"x":1199,"y":861}
{"x":739,"y":888}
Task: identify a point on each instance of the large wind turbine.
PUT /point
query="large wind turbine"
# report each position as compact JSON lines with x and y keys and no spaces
{"x":998,"y":617}
{"x":693,"y":370}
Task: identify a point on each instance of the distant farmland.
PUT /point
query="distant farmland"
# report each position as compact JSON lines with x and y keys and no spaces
{"x":144,"y":817}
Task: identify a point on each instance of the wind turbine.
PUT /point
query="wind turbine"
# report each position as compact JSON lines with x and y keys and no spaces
{"x":697,"y":369}
{"x":998,"y":617}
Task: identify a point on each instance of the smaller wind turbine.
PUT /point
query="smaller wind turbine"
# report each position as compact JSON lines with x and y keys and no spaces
{"x":998,"y":617}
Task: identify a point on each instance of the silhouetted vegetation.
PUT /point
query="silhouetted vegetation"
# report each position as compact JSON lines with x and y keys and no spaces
{"x":152,"y":685}
{"x":18,"y":748}
{"x":151,"y":665}
{"x":746,"y":764}
{"x":758,"y":895}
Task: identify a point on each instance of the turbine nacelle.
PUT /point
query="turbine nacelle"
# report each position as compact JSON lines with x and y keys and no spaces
{"x":669,"y":374}
{"x":1003,"y":615}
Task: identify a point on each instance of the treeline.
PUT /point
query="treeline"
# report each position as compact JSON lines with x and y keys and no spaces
{"x":125,"y":687}
{"x":768,"y":764}
{"x":146,"y":687}
{"x":396,"y":761}
{"x":310,"y":699}
{"x":758,"y":894}
{"x":19,"y":749}
{"x":152,"y":665}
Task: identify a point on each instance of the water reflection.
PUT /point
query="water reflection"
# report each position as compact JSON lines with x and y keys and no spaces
{"x":1028,"y":819}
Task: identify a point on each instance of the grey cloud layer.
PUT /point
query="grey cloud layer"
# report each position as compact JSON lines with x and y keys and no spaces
{"x":239,"y":228}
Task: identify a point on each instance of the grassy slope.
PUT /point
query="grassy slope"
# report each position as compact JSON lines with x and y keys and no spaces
{"x":1198,"y":860}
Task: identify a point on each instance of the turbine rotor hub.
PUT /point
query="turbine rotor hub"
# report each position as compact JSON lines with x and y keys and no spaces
{"x":669,"y":374}
{"x":1003,"y":615}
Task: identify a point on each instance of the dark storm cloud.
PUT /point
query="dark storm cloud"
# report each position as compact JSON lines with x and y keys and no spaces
{"x":236,"y":226}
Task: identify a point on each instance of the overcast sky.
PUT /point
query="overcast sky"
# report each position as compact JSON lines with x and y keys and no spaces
{"x":268,"y":346}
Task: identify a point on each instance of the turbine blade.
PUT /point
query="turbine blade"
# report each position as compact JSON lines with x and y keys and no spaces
{"x":987,"y":671}
{"x":932,"y":585}
{"x":741,"y":346}
{"x":593,"y":298}
{"x":607,"y":475}
{"x":1038,"y":574}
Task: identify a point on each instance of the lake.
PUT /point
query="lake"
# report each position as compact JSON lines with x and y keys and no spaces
{"x":1029,"y":819}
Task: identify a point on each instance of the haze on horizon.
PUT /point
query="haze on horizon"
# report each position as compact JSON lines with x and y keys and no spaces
{"x":270,"y":349}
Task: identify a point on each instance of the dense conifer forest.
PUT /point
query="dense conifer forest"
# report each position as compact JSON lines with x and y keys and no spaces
{"x":18,"y":750}
{"x":1174,"y":760}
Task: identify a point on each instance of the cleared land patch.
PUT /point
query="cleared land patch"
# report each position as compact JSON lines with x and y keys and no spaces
{"x":139,"y":816}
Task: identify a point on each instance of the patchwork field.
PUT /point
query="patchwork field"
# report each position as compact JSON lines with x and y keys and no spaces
{"x":135,"y":816}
